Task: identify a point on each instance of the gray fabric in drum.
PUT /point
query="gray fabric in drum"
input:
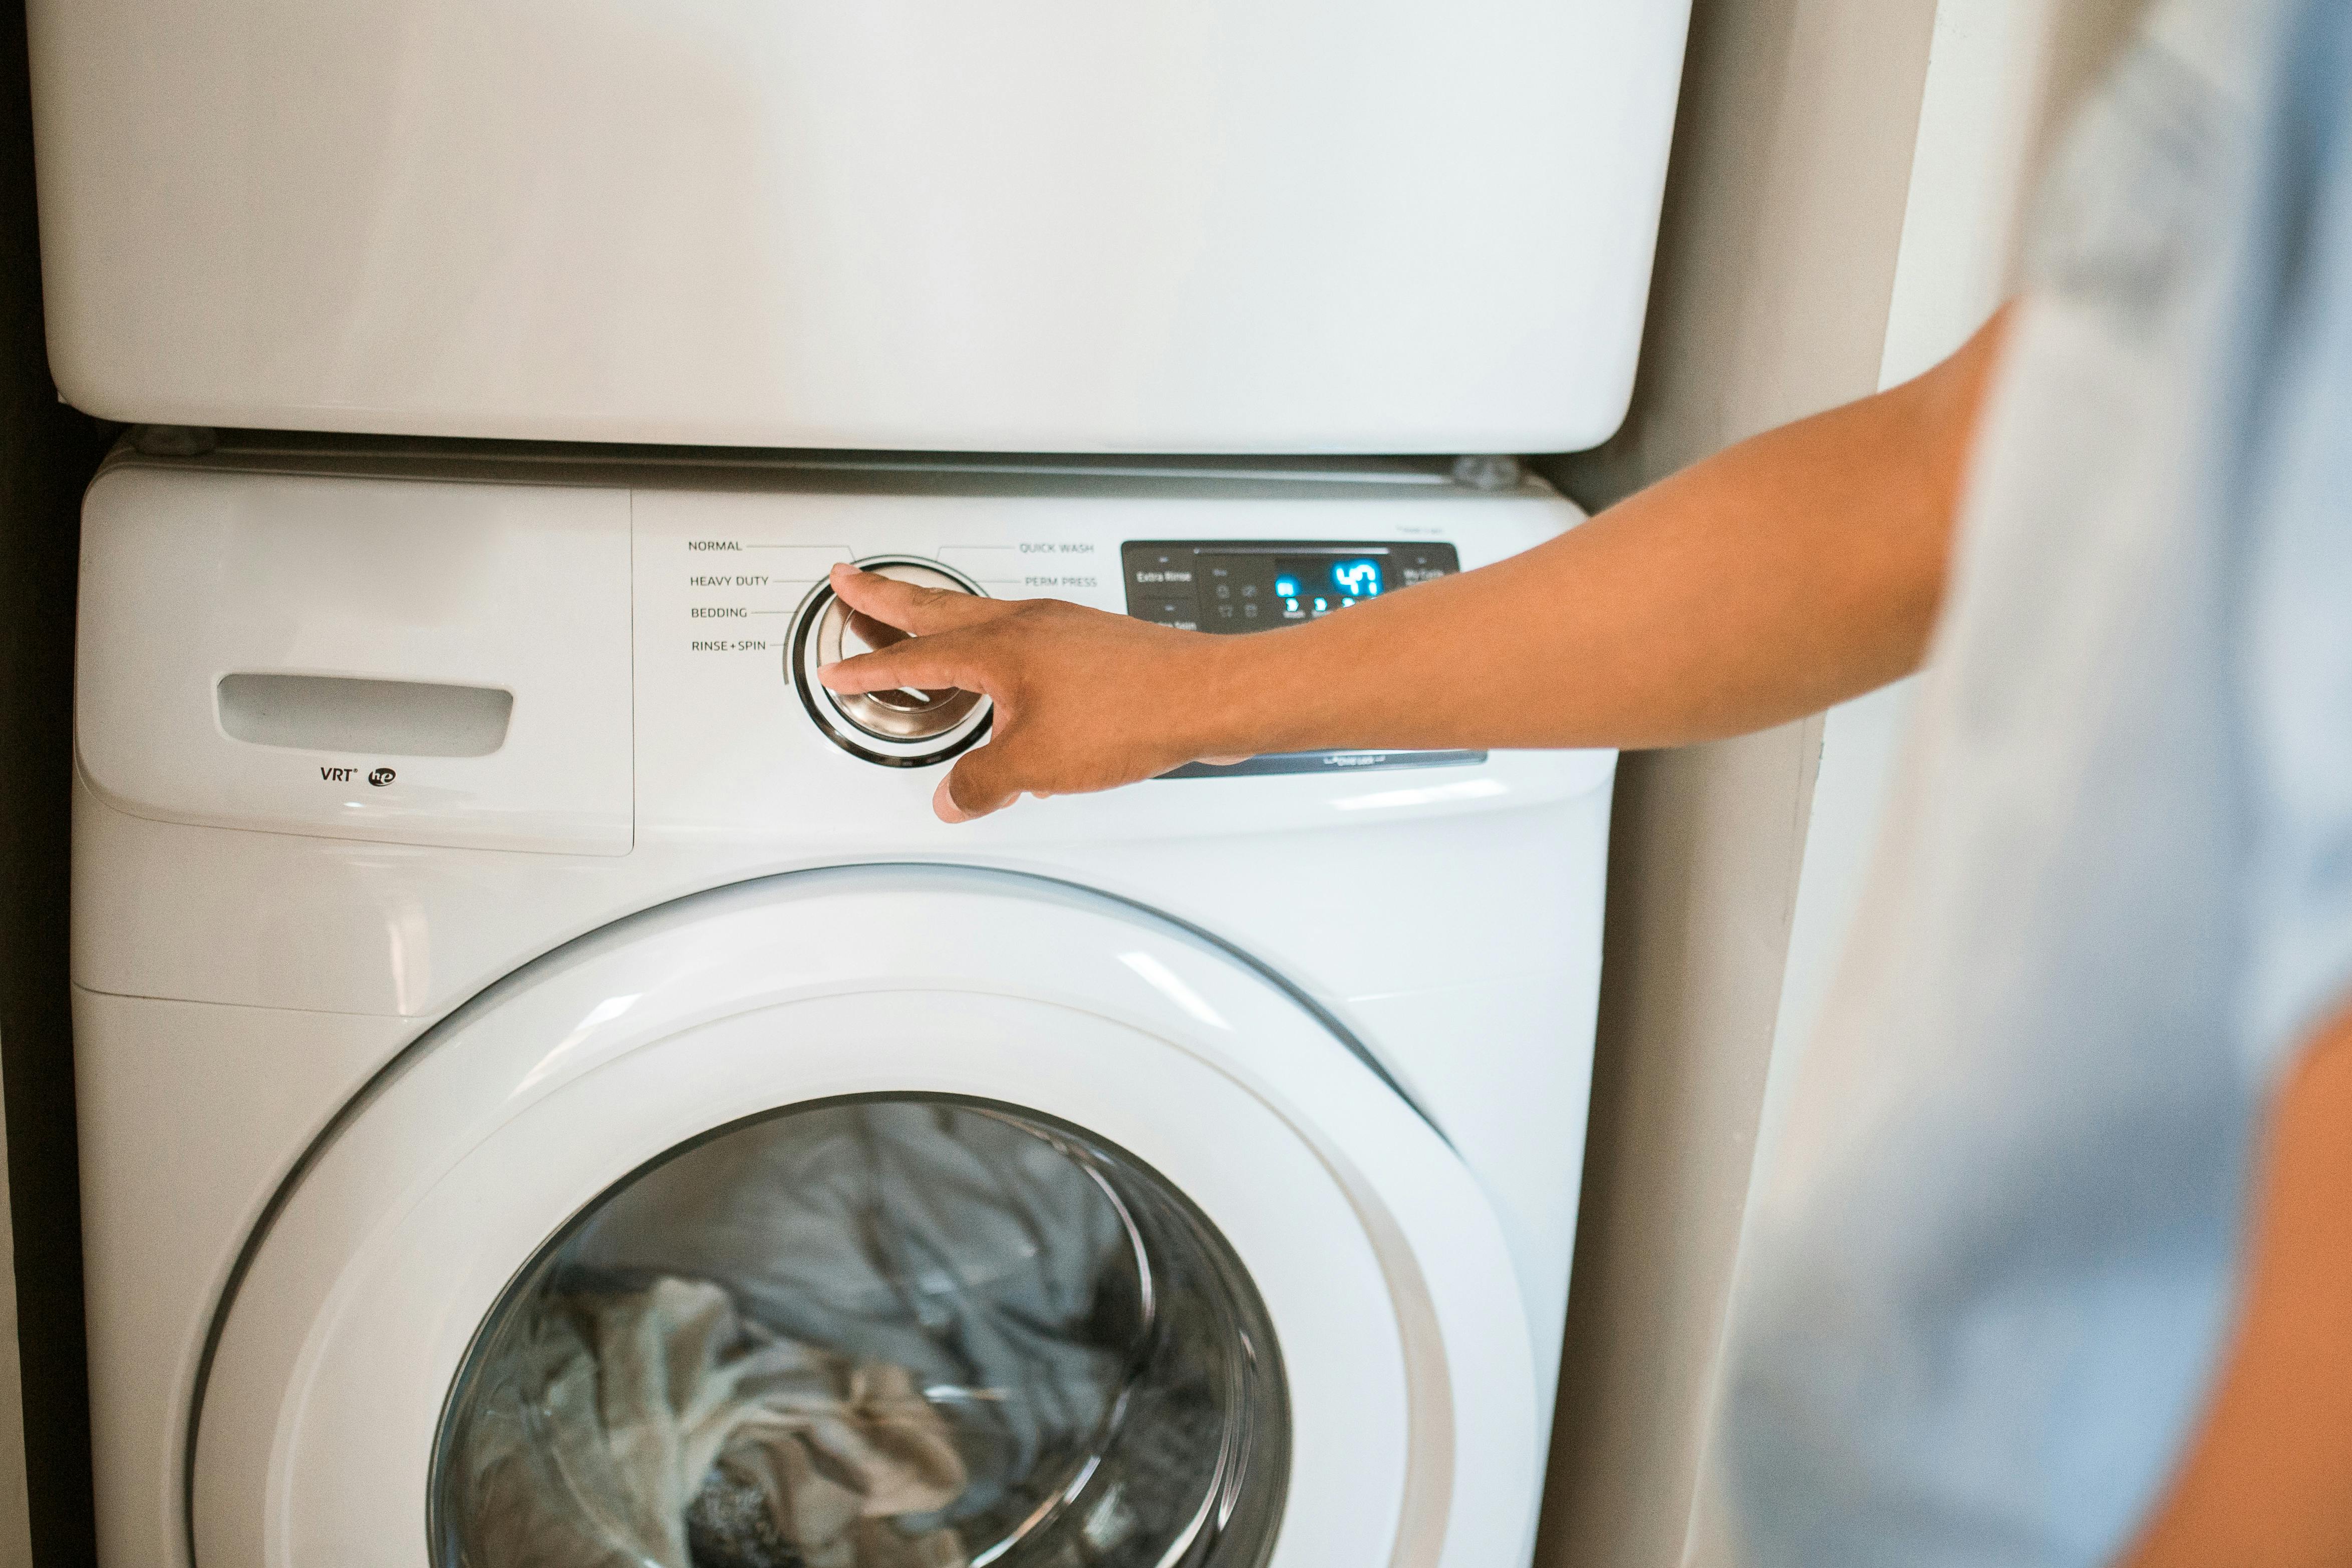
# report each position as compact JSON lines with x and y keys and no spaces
{"x":889,"y":1333}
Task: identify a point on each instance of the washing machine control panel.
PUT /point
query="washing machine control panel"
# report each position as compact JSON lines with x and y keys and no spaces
{"x":583,"y":659}
{"x":732,"y":612}
{"x":1234,"y":586}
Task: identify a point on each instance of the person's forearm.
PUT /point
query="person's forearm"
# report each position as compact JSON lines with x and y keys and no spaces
{"x":1794,"y":569}
{"x":1786,"y":573}
{"x":2268,"y":1481}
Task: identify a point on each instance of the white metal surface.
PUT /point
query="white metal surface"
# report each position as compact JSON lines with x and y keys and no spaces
{"x":520,"y":589}
{"x":190,"y":1116}
{"x":237,"y":988}
{"x":1286,"y":225}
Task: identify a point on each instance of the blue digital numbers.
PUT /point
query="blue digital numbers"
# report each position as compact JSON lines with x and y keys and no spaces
{"x":1308,"y":587}
{"x":1357,"y":578}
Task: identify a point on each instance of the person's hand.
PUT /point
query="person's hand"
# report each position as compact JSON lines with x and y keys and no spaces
{"x":1084,"y":700}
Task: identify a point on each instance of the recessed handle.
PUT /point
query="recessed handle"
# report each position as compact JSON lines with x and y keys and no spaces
{"x":381,"y":718}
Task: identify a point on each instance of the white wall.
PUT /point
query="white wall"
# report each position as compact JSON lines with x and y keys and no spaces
{"x":1968,"y":170}
{"x":1999,"y":74}
{"x":1784,"y":213}
{"x":1839,"y":215}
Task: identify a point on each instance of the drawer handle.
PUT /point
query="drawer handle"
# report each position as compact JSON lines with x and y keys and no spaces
{"x":381,"y":718}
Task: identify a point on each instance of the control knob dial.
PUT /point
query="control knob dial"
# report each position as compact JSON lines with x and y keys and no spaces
{"x":901,"y":726}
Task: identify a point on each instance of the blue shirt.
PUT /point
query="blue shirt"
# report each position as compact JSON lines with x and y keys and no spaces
{"x":1994,"y":1267}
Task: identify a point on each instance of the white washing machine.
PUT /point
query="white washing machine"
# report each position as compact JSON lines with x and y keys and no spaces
{"x":552,"y":1093}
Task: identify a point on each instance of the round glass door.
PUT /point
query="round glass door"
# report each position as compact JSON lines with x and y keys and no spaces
{"x":909,"y":1269}
{"x":890,"y":1332}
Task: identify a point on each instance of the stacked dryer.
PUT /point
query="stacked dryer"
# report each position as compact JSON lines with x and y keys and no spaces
{"x":550,"y":1093}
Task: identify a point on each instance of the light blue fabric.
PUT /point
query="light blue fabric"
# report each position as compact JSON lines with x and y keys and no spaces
{"x":1991,"y":1273}
{"x":2290,"y":457}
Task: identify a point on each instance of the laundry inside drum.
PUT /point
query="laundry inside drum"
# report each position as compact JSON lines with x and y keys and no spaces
{"x":885,"y":1333}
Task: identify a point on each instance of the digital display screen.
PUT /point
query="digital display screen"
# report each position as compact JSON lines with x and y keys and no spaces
{"x":1253,"y":585}
{"x":1310,"y":587}
{"x":1300,"y":587}
{"x":1246,"y":586}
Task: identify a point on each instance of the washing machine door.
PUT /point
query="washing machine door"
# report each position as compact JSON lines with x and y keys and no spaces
{"x":880,"y":1218}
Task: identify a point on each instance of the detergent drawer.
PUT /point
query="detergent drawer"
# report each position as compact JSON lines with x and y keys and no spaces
{"x":359,"y":658}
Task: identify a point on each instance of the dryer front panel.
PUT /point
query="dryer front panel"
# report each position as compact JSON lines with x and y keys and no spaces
{"x":1044,"y":226}
{"x":881,"y":1218}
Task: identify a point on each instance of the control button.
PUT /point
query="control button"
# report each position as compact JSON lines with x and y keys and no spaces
{"x":1159,"y":570}
{"x":1177,"y":612}
{"x":903,"y":727}
{"x":902,"y":713}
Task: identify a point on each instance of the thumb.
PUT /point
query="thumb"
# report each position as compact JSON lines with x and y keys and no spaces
{"x":980,"y":782}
